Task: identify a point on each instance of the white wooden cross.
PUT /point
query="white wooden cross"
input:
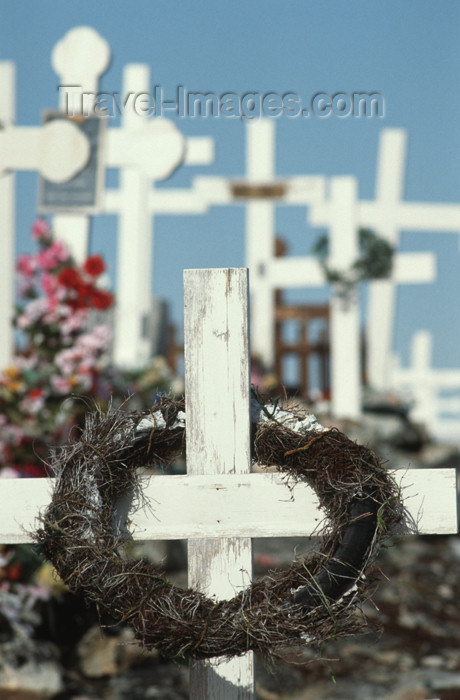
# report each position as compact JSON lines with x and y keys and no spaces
{"x":423,"y":384}
{"x":388,"y":215}
{"x":144,"y":150}
{"x":80,"y":58}
{"x":334,"y":204}
{"x":219,"y":505}
{"x":269,"y":272}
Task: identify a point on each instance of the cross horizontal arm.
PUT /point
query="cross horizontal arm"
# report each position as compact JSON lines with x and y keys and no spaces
{"x":233,"y":505}
{"x":199,"y":150}
{"x":419,"y":216}
{"x":20,"y":148}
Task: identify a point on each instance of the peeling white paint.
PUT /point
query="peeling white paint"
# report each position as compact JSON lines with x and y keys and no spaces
{"x":269,"y":413}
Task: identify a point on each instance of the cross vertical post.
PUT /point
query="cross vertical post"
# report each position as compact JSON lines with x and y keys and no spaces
{"x":260,"y":192}
{"x":79,"y":58}
{"x":134,"y":264}
{"x":7,"y":221}
{"x":434,"y":391}
{"x":382,"y":293}
{"x":218,"y":442}
{"x":260,"y":236}
{"x":345,"y":321}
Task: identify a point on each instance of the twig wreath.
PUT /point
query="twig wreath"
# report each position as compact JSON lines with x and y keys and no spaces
{"x":307,"y":604}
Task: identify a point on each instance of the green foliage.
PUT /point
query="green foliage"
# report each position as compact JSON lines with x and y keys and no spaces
{"x":375,"y":261}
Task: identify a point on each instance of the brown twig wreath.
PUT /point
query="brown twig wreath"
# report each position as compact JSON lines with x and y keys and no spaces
{"x":307,"y":604}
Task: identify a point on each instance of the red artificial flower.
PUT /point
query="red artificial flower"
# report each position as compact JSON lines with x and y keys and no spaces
{"x":69,"y":277}
{"x":84,"y":291}
{"x":77,"y":303}
{"x":94,"y":265}
{"x":33,"y":471}
{"x":100,"y":300}
{"x":13,"y":571}
{"x":35,"y":393}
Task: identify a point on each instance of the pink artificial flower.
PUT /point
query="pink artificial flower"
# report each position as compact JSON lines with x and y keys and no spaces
{"x":25,"y":362}
{"x":61,"y":251}
{"x":73,"y":322}
{"x":41,"y":229}
{"x":34,"y":311}
{"x":22,"y":321}
{"x":103,"y":333}
{"x":53,"y":309}
{"x":50,"y":258}
{"x":46,"y":259}
{"x":33,"y":402}
{"x":61,"y":385}
{"x":68,"y":359}
{"x":8,"y":473}
{"x":49,"y":283}
{"x":26,"y":265}
{"x":26,"y":285}
{"x":96,"y":340}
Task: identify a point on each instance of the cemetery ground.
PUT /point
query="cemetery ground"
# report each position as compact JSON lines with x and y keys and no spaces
{"x":415,"y":655}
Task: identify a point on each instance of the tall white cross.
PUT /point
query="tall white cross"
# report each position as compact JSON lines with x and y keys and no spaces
{"x":260,"y":192}
{"x":80,"y":58}
{"x":388,"y":215}
{"x":144,"y":150}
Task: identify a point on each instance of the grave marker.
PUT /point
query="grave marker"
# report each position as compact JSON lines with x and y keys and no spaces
{"x":388,"y":214}
{"x":260,"y":192}
{"x":144,"y":150}
{"x":239,"y":505}
{"x":425,"y":385}
{"x":80,"y":58}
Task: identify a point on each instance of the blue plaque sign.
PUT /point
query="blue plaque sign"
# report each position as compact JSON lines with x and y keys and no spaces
{"x":82,"y":192}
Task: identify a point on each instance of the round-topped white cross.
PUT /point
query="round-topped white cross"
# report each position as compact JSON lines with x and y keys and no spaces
{"x":81,"y":57}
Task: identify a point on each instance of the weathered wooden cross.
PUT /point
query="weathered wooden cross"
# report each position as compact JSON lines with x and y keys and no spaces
{"x":218,"y":506}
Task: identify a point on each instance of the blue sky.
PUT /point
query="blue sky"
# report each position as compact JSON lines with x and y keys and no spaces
{"x":407,"y":51}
